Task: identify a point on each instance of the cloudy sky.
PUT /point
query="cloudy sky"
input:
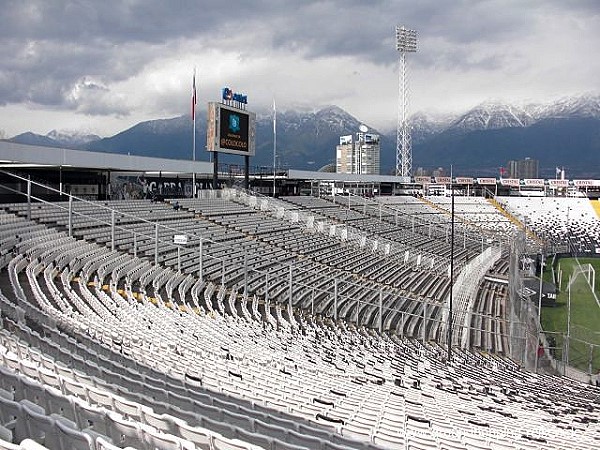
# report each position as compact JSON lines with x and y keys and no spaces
{"x":102,"y":66}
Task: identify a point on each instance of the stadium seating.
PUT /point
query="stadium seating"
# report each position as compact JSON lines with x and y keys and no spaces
{"x":103,"y":349}
{"x":569,"y":225}
{"x":243,"y":237}
{"x":477,"y":213}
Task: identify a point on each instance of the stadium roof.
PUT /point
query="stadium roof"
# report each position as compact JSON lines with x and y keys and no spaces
{"x":21,"y":155}
{"x":345,"y":177}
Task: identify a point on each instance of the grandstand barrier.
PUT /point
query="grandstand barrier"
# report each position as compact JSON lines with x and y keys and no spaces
{"x":464,"y":292}
{"x":522,"y":317}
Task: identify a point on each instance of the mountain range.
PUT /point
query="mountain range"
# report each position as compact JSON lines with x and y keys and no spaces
{"x":563,"y":133}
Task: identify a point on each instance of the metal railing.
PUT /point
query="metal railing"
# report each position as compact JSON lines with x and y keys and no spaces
{"x":325,"y":291}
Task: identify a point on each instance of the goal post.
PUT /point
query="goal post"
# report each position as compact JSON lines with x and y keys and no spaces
{"x":588,"y":271}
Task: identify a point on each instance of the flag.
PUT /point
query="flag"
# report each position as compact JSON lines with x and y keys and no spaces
{"x":557,"y":171}
{"x":194,"y":97}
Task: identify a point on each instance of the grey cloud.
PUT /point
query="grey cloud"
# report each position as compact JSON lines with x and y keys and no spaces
{"x":321,"y":27}
{"x":45,"y":72}
{"x":48,"y":47}
{"x":117,"y":21}
{"x":94,"y":101}
{"x":366,"y":29}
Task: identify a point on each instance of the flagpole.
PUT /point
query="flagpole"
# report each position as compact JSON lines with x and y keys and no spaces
{"x":194,"y":159}
{"x":194,"y":134}
{"x":274,"y":145}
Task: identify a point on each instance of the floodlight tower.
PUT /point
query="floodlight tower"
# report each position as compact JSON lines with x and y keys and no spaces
{"x":406,"y":42}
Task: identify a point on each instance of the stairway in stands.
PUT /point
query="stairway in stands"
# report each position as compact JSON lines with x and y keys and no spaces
{"x":433,"y":205}
{"x":514,"y":220}
{"x":496,"y":204}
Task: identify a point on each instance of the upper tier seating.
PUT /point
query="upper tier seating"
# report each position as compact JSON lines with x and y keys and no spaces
{"x":567,"y":224}
{"x":95,"y":351}
{"x":249,"y":249}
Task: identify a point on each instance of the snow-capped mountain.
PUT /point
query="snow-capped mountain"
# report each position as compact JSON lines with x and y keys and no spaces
{"x":424,"y":126}
{"x":54,"y":138}
{"x":307,"y":139}
{"x":168,"y":126}
{"x":71,"y":139}
{"x":561,"y":133}
{"x":585,"y":106}
{"x":565,"y":132}
{"x":492,"y":116}
{"x":331,"y":118}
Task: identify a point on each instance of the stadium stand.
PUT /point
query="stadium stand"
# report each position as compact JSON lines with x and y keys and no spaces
{"x":384,"y":223}
{"x":244,"y":236}
{"x":479,"y":213}
{"x":111,"y":339}
{"x":569,"y":225}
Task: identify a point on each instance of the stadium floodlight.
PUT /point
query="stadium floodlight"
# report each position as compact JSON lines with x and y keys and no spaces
{"x":406,"y":42}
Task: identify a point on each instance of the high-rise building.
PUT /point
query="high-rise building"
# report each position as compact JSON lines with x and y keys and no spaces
{"x":524,"y":168}
{"x":358,"y":153}
{"x":439,"y":172}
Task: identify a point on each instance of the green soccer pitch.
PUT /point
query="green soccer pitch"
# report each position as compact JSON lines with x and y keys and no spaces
{"x":584,"y":345}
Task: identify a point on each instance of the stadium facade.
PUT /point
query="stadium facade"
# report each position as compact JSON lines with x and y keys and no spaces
{"x":98,"y":175}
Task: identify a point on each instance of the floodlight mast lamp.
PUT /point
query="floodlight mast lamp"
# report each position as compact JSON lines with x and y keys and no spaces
{"x":406,"y":42}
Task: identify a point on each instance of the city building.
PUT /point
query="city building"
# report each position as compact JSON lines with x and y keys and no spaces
{"x":358,"y":153}
{"x":439,"y":172}
{"x":524,"y":168}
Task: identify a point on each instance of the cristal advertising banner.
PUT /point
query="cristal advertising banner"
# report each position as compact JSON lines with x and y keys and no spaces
{"x":464,"y":180}
{"x":422,"y":180}
{"x":534,"y":182}
{"x":584,"y":183}
{"x":558,"y":183}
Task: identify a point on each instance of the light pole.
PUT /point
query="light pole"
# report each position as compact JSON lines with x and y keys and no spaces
{"x":539,"y":311}
{"x":274,"y":146}
{"x":406,"y":42}
{"x":450,"y":311}
{"x":194,"y":101}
